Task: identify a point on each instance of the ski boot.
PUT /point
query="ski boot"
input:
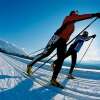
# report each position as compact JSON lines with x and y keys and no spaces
{"x":29,"y":70}
{"x":53,"y":66}
{"x":56,"y":83}
{"x":70,"y":76}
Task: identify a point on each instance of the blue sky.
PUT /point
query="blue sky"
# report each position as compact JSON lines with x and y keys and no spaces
{"x":31,"y":23}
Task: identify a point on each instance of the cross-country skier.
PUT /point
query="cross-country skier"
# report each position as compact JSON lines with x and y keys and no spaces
{"x":58,"y":40}
{"x":73,"y":50}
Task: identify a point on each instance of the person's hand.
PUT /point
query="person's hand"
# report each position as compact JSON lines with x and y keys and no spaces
{"x":93,"y":36}
{"x":97,"y":15}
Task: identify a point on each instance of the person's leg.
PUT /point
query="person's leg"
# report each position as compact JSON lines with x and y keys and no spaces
{"x":61,"y":49}
{"x":38,"y":58}
{"x":42,"y":55}
{"x":47,"y":51}
{"x":74,"y":57}
{"x":56,"y":71}
{"x":54,"y":64}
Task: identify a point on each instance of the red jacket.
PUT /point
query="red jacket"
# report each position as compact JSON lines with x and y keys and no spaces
{"x":67,"y":27}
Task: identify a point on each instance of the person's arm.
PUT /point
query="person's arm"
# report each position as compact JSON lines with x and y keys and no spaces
{"x":89,"y":37}
{"x":82,"y":17}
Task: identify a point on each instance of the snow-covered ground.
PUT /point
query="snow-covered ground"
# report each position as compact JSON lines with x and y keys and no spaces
{"x":14,"y":85}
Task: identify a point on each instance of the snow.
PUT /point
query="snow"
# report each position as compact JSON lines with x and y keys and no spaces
{"x":15,"y":85}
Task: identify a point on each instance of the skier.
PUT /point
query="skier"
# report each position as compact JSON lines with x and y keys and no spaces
{"x":74,"y":49}
{"x":58,"y":40}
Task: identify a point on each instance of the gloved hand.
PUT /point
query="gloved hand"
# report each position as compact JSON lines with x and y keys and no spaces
{"x":97,"y":15}
{"x":93,"y":36}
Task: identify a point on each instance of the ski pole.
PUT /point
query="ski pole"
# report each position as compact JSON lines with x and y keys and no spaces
{"x":43,"y":63}
{"x":72,"y":39}
{"x":86,"y":50}
{"x":78,"y":34}
{"x":66,"y":45}
{"x":83,"y":30}
{"x":36,"y":51}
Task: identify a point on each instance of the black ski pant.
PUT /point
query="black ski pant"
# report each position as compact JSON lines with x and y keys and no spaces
{"x":54,"y":42}
{"x":73,"y":54}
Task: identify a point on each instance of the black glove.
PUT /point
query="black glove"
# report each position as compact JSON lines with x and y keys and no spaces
{"x":93,"y":36}
{"x":97,"y":15}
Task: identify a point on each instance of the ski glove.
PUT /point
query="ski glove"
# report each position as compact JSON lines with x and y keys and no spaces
{"x":98,"y":15}
{"x":93,"y":36}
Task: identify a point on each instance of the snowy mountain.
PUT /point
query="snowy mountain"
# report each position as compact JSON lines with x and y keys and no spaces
{"x":11,"y":48}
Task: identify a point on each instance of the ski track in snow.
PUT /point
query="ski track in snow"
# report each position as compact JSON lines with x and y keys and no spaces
{"x":15,"y":85}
